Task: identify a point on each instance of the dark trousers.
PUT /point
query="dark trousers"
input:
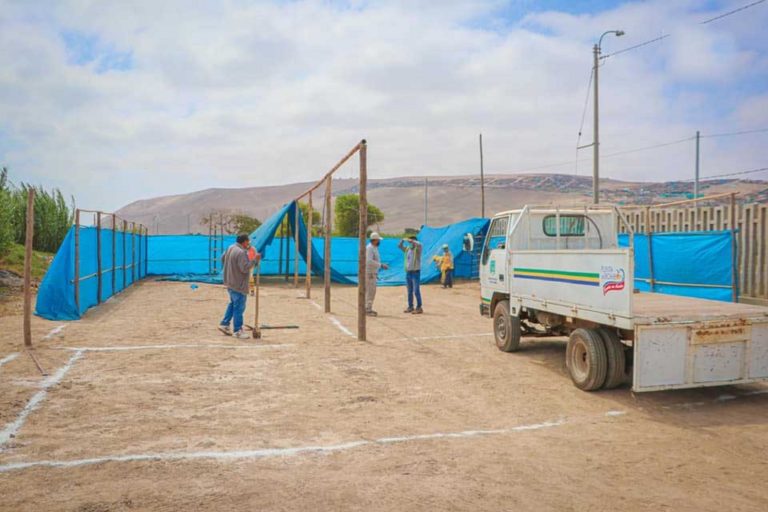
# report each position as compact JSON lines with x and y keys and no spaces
{"x":448,"y":278}
{"x":413,"y":280}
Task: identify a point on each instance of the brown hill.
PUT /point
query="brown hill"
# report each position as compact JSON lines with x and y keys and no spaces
{"x":450,"y":198}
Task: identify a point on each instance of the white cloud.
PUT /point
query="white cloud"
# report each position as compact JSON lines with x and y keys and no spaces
{"x":258,"y":93}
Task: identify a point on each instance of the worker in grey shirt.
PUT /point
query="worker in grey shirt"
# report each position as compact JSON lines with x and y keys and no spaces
{"x":238,"y":262}
{"x":372,"y":265}
{"x":412,"y":249}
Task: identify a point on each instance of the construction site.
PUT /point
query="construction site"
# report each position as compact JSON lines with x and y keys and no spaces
{"x":260,"y":256}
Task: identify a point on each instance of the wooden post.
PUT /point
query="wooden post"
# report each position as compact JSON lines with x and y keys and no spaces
{"x":99,"y":283}
{"x":133,"y":252}
{"x":734,"y":253}
{"x":30,"y":233}
{"x":125,"y":228}
{"x":114,"y":254}
{"x":362,"y":235}
{"x":309,"y":248}
{"x":210,"y":247}
{"x":297,"y":212}
{"x":256,"y":333}
{"x":649,"y":235}
{"x":146,"y":251}
{"x":287,"y":237}
{"x":77,"y":260}
{"x":327,"y":248}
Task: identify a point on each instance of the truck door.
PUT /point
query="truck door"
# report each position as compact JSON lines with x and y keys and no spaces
{"x":493,"y":265}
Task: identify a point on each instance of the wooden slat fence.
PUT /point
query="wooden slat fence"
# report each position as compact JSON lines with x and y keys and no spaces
{"x":750,"y":221}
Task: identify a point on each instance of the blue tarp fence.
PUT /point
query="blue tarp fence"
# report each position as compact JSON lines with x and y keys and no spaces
{"x":692,"y":264}
{"x":56,"y":295}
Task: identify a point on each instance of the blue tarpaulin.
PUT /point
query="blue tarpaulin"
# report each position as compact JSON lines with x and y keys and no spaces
{"x":56,"y":295}
{"x":691,"y":264}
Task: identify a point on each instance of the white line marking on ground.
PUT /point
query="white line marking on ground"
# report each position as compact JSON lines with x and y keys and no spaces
{"x":11,"y":429}
{"x":615,"y":413}
{"x":335,"y":321}
{"x":446,"y":337}
{"x":9,"y":358}
{"x":274,"y":452}
{"x":167,"y":347}
{"x":54,"y":332}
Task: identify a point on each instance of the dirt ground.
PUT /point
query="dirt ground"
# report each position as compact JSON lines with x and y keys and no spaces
{"x":149,"y":407}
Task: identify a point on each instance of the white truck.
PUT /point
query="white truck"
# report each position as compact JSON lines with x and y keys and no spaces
{"x":559,"y":271}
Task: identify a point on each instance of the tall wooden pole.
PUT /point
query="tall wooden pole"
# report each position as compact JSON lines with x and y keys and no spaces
{"x":99,"y":281}
{"x":309,"y":248}
{"x":28,"y":267}
{"x":77,"y":260}
{"x":327,"y":248}
{"x":114,"y":254}
{"x":256,"y":333}
{"x":297,"y":212}
{"x":734,"y":253}
{"x":482,"y":180}
{"x":125,"y":262}
{"x":362,"y":235}
{"x":133,"y":252}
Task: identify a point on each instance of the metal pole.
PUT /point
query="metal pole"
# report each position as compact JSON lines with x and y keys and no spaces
{"x":297,"y":212}
{"x":362,"y":232}
{"x":696,"y":185}
{"x":596,"y":130}
{"x":309,"y":248}
{"x":29,"y":238}
{"x":98,"y":258}
{"x":77,"y":260}
{"x":327,"y":248}
{"x":482,"y":180}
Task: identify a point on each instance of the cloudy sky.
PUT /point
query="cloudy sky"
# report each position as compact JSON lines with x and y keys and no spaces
{"x":114,"y":101}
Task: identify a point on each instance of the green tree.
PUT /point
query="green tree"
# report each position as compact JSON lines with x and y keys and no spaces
{"x":347,"y":215}
{"x":242,"y":223}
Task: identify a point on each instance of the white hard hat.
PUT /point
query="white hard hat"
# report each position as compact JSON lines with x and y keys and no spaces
{"x":375,"y":236}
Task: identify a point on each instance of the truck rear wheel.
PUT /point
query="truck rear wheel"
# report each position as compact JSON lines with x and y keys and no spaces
{"x":506,"y":328}
{"x":617,"y":363}
{"x":586,"y":359}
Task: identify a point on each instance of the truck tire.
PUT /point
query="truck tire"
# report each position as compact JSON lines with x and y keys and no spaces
{"x":586,"y":359}
{"x":506,"y":328}
{"x":617,"y":362}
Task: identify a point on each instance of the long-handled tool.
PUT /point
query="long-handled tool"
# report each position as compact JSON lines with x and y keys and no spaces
{"x":256,"y":331}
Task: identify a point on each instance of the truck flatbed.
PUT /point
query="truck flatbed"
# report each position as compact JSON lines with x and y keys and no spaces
{"x":657,"y":308}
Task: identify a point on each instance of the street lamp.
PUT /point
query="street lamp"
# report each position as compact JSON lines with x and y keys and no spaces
{"x":596,"y":142}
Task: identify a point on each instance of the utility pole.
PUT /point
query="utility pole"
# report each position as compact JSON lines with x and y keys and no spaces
{"x":426,"y":198}
{"x":696,"y":184}
{"x":596,"y":130}
{"x":482,"y":180}
{"x":596,"y":120}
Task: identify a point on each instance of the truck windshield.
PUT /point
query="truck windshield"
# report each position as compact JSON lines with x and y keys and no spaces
{"x":497,"y":236}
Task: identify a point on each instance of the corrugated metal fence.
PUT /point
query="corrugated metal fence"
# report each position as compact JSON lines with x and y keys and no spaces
{"x":750,"y":221}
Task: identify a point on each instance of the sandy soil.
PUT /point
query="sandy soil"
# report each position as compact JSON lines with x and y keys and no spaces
{"x":311,"y":419}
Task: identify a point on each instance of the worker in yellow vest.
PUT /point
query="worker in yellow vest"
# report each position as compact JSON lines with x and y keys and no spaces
{"x":445,"y":264}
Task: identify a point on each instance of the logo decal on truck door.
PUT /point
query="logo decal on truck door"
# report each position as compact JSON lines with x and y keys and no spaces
{"x":611,"y":279}
{"x":493,"y":266}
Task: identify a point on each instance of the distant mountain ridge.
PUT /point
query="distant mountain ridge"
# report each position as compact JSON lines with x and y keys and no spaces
{"x":450,"y":198}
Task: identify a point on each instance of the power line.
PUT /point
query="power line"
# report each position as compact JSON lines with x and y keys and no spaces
{"x":644,"y":148}
{"x":640,"y":45}
{"x":725,"y":175}
{"x":725,"y":15}
{"x":664,"y":36}
{"x":586,"y":102}
{"x":728,"y":134}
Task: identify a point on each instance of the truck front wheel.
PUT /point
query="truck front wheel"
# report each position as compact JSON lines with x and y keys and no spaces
{"x":586,"y":359}
{"x":506,"y":328}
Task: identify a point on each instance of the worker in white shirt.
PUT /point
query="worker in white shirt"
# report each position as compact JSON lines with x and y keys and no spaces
{"x":372,"y":265}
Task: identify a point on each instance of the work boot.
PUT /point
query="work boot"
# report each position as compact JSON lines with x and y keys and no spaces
{"x":408,"y":310}
{"x":371,"y":312}
{"x":225,"y":329}
{"x":418,"y":311}
{"x":241,"y":335}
